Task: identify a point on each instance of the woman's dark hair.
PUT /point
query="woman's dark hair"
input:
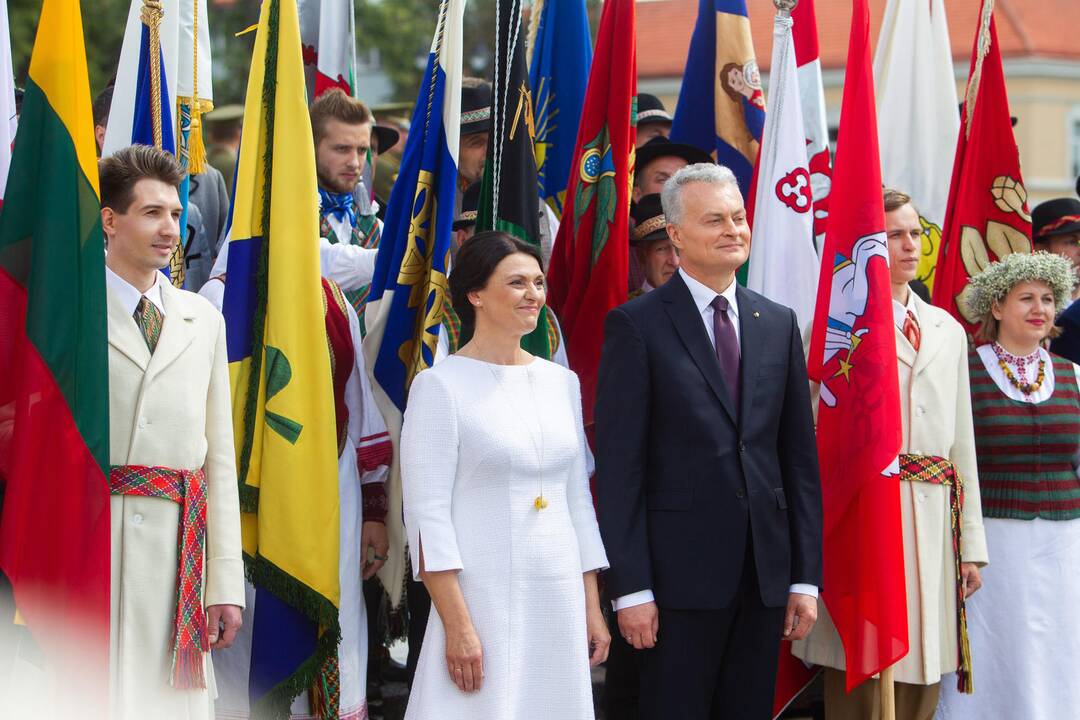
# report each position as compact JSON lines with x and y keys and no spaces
{"x":475,"y":262}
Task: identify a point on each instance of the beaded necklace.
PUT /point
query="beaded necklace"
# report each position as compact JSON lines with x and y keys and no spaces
{"x":1005,"y":358}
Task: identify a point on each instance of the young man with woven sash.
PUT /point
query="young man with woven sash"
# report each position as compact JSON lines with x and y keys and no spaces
{"x":944,"y":540}
{"x":177,"y":573}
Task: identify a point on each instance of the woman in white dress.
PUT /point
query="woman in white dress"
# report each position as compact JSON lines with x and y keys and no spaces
{"x":1023,"y":625}
{"x":499,"y":515}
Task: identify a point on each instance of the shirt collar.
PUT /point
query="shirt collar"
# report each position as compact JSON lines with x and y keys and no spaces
{"x":900,"y":311}
{"x":703,"y":295}
{"x":129,"y":296}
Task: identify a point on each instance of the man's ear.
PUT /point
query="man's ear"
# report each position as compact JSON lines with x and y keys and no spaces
{"x":108,"y":222}
{"x":673,"y":233}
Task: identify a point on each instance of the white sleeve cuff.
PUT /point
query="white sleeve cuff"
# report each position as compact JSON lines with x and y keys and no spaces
{"x":804,"y":589}
{"x":639,"y":598}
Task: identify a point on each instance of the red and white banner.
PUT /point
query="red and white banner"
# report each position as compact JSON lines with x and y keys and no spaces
{"x":853,"y":357}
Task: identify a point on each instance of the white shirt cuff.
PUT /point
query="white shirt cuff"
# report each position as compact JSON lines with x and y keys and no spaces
{"x":639,"y":598}
{"x":804,"y":589}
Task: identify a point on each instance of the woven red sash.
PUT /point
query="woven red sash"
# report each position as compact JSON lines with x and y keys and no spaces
{"x":941,"y":471}
{"x":187,"y":488}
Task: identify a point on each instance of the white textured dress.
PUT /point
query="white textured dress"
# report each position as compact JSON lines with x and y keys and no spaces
{"x":478,"y":439}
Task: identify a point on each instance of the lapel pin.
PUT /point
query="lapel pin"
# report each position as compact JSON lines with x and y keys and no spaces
{"x":757,"y":314}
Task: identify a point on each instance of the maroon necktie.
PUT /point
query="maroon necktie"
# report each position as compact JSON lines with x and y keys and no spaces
{"x":727,"y":347}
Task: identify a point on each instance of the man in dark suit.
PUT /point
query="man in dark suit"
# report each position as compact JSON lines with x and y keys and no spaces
{"x":708,"y":494}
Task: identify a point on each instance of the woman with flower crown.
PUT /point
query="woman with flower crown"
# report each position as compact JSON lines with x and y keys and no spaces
{"x":1024,"y":624}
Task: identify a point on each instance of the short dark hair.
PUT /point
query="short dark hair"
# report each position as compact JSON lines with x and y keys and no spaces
{"x":120,"y":172}
{"x":895,"y":199}
{"x":334,"y":104}
{"x":102,"y":105}
{"x":474,"y":264}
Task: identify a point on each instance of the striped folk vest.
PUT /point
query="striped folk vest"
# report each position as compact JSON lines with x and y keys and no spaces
{"x":1026,"y":450}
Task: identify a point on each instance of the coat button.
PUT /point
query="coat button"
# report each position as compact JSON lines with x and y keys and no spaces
{"x":920,"y":411}
{"x":136,"y":519}
{"x":142,"y":423}
{"x":740,"y":493}
{"x":742,"y":447}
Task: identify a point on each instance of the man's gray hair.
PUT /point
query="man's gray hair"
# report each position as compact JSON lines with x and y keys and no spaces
{"x":671,"y":195}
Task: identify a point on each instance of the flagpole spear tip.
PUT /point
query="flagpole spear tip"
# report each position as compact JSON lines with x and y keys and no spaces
{"x":784,"y":7}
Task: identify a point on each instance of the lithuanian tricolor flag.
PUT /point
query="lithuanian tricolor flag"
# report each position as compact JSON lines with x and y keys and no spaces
{"x":279,"y":364}
{"x":54,"y":411}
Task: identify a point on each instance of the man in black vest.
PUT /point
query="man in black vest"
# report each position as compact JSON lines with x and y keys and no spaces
{"x":709,"y":500}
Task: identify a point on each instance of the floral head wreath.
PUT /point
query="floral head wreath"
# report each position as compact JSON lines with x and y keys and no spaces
{"x":995,"y":282}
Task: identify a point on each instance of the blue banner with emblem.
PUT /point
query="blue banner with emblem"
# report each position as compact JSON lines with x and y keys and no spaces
{"x":721,"y":104}
{"x":559,"y":62}
{"x":410,"y":283}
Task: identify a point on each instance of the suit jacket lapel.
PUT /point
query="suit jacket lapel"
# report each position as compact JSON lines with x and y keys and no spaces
{"x":176,"y":331}
{"x":124,"y":333}
{"x":751,"y":337}
{"x":680,"y":307}
{"x":930,"y":342}
{"x":905,"y":353}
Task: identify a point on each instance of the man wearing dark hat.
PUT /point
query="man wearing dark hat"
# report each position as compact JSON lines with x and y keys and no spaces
{"x":475,"y":130}
{"x":655,"y":162}
{"x":659,"y":159}
{"x":653,"y":119}
{"x":1055,"y":228}
{"x":651,"y":245}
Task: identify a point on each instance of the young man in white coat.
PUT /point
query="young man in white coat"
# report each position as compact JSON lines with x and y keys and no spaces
{"x":177,"y":572}
{"x":941,"y":567}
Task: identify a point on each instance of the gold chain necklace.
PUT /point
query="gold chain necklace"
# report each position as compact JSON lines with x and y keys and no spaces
{"x":540,"y":502}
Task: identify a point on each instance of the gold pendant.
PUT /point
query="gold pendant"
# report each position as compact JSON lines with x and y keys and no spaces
{"x":540,"y":503}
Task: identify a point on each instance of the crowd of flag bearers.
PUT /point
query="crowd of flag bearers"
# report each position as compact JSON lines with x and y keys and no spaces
{"x":258,"y":421}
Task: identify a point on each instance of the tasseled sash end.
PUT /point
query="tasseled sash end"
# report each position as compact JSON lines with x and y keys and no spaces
{"x":187,"y":670}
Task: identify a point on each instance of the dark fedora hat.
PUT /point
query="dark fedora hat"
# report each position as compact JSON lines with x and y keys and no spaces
{"x":470,"y":203}
{"x":386,"y":136}
{"x":475,"y":106}
{"x":651,"y":110}
{"x":660,"y":147}
{"x":649,"y":221}
{"x":1055,"y":217}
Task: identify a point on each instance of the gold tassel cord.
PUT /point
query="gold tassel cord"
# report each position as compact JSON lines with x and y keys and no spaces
{"x":151,"y":15}
{"x":976,"y":73}
{"x":196,"y":148}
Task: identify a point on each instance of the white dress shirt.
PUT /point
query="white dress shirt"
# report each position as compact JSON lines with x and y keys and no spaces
{"x":129,"y":296}
{"x":703,"y":297}
{"x":900,"y":311}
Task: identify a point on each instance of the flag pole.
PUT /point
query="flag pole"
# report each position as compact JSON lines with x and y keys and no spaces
{"x":888,"y":694}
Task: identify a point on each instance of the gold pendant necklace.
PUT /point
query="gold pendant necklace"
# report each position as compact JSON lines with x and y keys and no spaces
{"x":540,"y":502}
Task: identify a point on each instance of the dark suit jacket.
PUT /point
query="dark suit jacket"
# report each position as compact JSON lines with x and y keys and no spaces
{"x":1067,"y":345}
{"x":680,"y":478}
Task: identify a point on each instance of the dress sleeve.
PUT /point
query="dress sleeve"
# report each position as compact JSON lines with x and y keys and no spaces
{"x":578,"y":496}
{"x":429,"y":454}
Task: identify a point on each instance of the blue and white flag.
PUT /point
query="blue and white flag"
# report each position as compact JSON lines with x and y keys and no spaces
{"x":163,"y":86}
{"x":560,"y":55}
{"x":721,"y":105}
{"x":410,"y":286}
